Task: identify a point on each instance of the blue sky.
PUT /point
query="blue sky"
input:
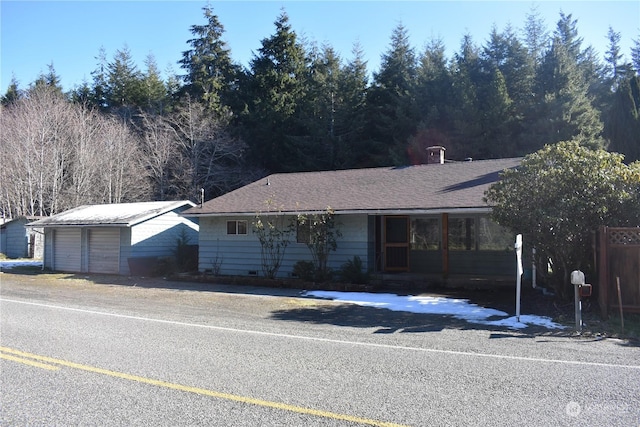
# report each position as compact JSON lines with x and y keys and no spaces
{"x":69,"y":34}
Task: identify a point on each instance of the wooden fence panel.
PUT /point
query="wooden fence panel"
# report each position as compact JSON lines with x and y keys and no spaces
{"x":619,"y":258}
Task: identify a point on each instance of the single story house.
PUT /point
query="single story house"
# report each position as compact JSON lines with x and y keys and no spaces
{"x":104,"y":238}
{"x":428,"y":219}
{"x":19,"y":241}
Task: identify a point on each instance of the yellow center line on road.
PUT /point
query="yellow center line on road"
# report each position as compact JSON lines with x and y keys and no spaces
{"x":29,"y":362}
{"x":201,"y":391}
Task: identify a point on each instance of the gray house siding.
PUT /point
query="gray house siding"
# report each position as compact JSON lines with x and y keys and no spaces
{"x":240,"y":254}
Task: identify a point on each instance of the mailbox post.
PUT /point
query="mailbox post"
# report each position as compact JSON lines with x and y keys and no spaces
{"x":577,"y":280}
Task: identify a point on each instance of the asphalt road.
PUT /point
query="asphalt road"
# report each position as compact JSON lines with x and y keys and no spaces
{"x":82,"y":351}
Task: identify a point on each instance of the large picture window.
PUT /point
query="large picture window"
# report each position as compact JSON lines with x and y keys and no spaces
{"x":462,"y":234}
{"x":493,"y":237}
{"x":425,"y":234}
{"x":236,"y":227}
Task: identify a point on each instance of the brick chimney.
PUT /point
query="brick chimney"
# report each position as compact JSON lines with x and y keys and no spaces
{"x":435,"y":155}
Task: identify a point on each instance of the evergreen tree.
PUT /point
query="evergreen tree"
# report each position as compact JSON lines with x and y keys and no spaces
{"x":13,"y":92}
{"x":277,"y":85}
{"x":50,"y":80}
{"x":124,"y":82}
{"x":211,"y":74}
{"x":536,"y":37}
{"x":350,"y":123}
{"x":153,"y":91}
{"x":623,"y":121}
{"x":564,"y":110}
{"x":434,"y":82}
{"x":465,"y":108}
{"x":393,"y":112}
{"x":635,"y":55}
{"x":614,"y":68}
{"x":100,"y":85}
{"x":320,"y":108}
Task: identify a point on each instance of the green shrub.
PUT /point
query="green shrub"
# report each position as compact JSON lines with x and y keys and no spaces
{"x":305,"y":270}
{"x":352,"y":271}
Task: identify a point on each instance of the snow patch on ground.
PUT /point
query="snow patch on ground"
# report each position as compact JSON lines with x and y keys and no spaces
{"x":8,"y":264}
{"x":458,"y":308}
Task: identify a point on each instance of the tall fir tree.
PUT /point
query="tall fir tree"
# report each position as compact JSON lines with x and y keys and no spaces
{"x":153,"y":90}
{"x":391,"y":103}
{"x":124,"y":82}
{"x":13,"y":92}
{"x":623,"y":121}
{"x":564,"y":109}
{"x":350,"y":123}
{"x":277,"y":88}
{"x":211,"y":75}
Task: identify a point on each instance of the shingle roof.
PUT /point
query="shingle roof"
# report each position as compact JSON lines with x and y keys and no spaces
{"x":449,"y":186}
{"x":116,"y":214}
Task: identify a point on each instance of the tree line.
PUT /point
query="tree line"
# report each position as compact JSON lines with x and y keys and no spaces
{"x":130,"y":135}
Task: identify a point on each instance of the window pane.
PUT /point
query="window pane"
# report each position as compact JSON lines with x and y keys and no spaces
{"x":396,"y":230}
{"x":242,"y":227}
{"x":231,"y":227}
{"x":303,"y":232}
{"x":425,"y":234}
{"x":493,"y":237}
{"x":462,"y":234}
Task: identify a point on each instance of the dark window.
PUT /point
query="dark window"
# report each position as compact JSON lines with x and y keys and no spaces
{"x":303,"y":232}
{"x":462,"y":234}
{"x":425,"y":234}
{"x":236,"y":227}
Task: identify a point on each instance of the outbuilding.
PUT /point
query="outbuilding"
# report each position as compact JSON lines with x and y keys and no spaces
{"x":19,"y":241}
{"x":106,"y":238}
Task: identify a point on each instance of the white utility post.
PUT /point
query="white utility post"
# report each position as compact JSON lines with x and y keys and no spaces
{"x":518,"y":247}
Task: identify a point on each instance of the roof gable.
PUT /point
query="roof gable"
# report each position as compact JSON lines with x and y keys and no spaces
{"x":446,"y":186}
{"x":115,"y":214}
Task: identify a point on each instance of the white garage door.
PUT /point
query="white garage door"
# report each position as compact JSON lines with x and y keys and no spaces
{"x":104,"y":250}
{"x":67,"y":250}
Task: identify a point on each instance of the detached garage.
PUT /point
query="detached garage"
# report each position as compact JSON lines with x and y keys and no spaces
{"x":105,"y":238}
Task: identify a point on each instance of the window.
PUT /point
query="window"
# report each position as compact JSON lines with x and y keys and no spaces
{"x":462,"y":234}
{"x":425,"y":234}
{"x":303,"y":232}
{"x":493,"y":237}
{"x":236,"y":227}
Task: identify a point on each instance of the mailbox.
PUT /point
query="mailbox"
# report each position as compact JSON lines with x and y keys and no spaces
{"x":585,"y":290}
{"x":577,"y":277}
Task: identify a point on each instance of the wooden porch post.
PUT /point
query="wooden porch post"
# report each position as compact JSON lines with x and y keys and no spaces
{"x":445,"y":245}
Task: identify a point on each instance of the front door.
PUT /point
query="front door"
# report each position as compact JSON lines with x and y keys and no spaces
{"x":396,"y":243}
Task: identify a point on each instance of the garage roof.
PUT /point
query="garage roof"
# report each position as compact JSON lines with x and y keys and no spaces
{"x":115,"y":214}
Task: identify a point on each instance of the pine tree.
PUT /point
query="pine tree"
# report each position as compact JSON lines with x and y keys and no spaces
{"x":350,"y":123}
{"x":153,"y":91}
{"x":211,"y":74}
{"x":623,"y":121}
{"x":13,"y":92}
{"x":393,"y":112}
{"x":564,"y":110}
{"x":276,"y":91}
{"x":124,"y":82}
{"x":465,"y":106}
{"x":614,"y":68}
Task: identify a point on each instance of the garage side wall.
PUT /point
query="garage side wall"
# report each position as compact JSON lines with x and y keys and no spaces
{"x":158,"y":237}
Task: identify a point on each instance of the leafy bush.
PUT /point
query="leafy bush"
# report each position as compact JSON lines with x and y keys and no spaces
{"x":352,"y":271}
{"x":305,"y":270}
